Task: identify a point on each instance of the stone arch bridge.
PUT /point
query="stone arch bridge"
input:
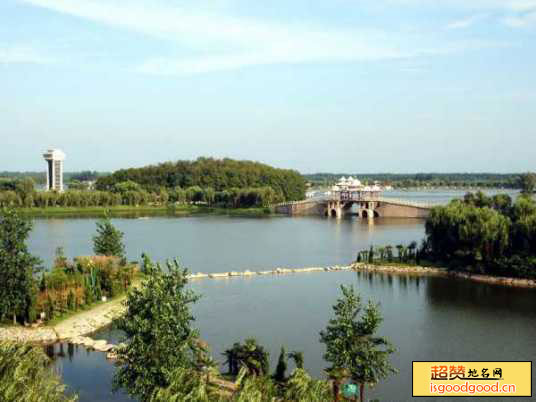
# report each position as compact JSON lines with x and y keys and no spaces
{"x":367,"y":207}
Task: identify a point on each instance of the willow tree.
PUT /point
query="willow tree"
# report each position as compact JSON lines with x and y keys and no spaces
{"x":466,"y":231}
{"x":352,"y":344}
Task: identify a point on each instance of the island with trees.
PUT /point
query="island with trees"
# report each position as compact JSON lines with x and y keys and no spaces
{"x":478,"y":234}
{"x":204,"y":185}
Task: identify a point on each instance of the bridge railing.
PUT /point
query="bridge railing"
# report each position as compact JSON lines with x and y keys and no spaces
{"x":409,"y":203}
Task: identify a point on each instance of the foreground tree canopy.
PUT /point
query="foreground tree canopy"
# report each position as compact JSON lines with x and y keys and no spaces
{"x":352,"y":345}
{"x":158,"y":327}
{"x":27,"y":377}
{"x":164,"y":359}
{"x":218,"y":174}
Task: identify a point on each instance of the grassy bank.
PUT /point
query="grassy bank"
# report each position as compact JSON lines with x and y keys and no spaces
{"x":138,"y":211}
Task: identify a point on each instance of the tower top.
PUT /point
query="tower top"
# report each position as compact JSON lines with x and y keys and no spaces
{"x":54,"y":154}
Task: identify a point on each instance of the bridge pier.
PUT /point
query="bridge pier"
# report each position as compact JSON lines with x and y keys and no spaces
{"x":334,"y":209}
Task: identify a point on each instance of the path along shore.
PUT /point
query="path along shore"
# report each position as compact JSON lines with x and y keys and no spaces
{"x":78,"y":328}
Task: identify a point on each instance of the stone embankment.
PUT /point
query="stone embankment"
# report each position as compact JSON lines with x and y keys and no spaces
{"x":418,"y":270}
{"x":277,"y":271}
{"x":394,"y":269}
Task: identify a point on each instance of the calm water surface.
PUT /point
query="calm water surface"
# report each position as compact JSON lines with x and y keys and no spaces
{"x":426,"y":318}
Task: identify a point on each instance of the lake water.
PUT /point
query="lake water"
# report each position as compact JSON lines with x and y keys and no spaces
{"x":426,"y":318}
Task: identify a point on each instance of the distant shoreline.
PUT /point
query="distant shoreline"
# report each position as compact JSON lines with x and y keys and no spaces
{"x":124,"y":210}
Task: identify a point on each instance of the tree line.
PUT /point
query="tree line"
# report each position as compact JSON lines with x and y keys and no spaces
{"x":218,"y":174}
{"x":485,"y":180}
{"x":21,"y":193}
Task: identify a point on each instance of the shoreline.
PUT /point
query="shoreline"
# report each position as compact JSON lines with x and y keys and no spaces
{"x":434,"y":271}
{"x":78,"y":328}
{"x":139,"y":211}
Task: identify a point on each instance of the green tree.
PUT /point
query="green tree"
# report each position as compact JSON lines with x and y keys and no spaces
{"x":27,"y":377}
{"x":389,"y":252}
{"x":249,"y":355}
{"x":400,"y":248}
{"x":467,"y":232}
{"x":281,"y":368}
{"x":352,"y":344}
{"x":527,"y":182}
{"x":159,"y":333}
{"x":297,"y":357}
{"x":301,"y":387}
{"x":17,"y":266}
{"x":412,"y":249}
{"x":109,"y":240}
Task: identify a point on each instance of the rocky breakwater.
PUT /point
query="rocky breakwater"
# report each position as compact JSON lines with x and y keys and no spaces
{"x":277,"y":271}
{"x":395,"y":269}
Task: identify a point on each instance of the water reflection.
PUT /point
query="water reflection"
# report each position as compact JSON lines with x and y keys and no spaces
{"x":474,"y":296}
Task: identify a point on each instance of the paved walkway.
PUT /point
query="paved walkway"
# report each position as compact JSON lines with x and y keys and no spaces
{"x":81,"y":324}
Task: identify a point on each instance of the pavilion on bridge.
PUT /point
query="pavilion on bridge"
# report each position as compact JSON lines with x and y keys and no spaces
{"x":351,"y":189}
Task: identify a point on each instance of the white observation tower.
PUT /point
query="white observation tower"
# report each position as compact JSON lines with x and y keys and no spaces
{"x":54,"y":158}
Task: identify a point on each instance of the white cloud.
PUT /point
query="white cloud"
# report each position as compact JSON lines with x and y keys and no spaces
{"x":465,"y":22}
{"x":21,"y":54}
{"x":521,"y":21}
{"x":211,"y":42}
{"x":492,"y":5}
{"x":223,"y":42}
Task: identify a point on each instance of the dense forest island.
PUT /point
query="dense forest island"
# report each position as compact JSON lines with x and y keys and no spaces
{"x":205,"y":182}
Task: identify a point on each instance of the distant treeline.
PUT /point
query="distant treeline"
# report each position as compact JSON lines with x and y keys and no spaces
{"x":506,"y":180}
{"x":220,"y":175}
{"x":41,"y":177}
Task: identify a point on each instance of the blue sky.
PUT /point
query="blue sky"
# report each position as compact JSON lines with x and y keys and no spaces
{"x":339,"y":85}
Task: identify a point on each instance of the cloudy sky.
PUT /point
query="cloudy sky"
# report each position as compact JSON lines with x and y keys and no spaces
{"x":315,"y":85}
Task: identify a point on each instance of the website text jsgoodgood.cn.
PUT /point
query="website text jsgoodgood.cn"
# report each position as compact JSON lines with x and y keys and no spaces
{"x":471,"y":388}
